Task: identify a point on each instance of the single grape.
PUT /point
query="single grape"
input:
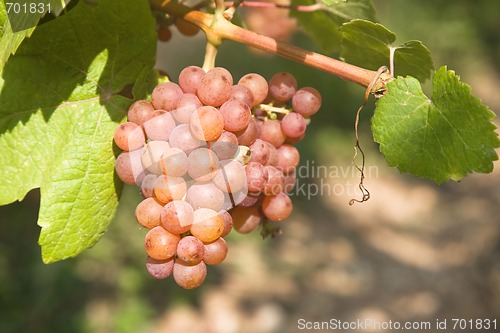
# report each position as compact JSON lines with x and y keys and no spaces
{"x":186,"y":105}
{"x":161,"y":244}
{"x":245,"y":220}
{"x":225,"y":146}
{"x":259,"y":152}
{"x":163,"y":33}
{"x":140,"y":111}
{"x":241,"y":93}
{"x":173,"y":162}
{"x":207,"y":225}
{"x":169,"y":188}
{"x":271,"y":132}
{"x":182,"y":138}
{"x":205,"y":195}
{"x":148,"y":185}
{"x":190,"y":250}
{"x":129,"y":136}
{"x":215,"y":87}
{"x":165,"y":96}
{"x":177,"y":216}
{"x":215,"y":252}
{"x":189,"y":277}
{"x":256,"y":176}
{"x":248,"y":136}
{"x":230,"y":177}
{"x":159,"y":126}
{"x":151,"y":155}
{"x":293,"y":125}
{"x":275,"y":181}
{"x":277,"y":207}
{"x":288,"y":158}
{"x":206,"y":123}
{"x":282,"y":86}
{"x":186,"y":28}
{"x":159,"y":269}
{"x":257,"y":85}
{"x":228,"y":222}
{"x":129,"y":168}
{"x":236,"y":115}
{"x":148,"y":213}
{"x":306,"y":101}
{"x":190,"y":78}
{"x":202,"y":164}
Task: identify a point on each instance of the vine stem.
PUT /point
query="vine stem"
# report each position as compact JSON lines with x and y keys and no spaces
{"x":217,"y":28}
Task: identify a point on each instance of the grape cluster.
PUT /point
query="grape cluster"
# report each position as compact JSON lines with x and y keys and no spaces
{"x":209,"y":156}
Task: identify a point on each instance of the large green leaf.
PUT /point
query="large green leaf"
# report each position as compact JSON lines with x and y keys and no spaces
{"x":16,"y":24}
{"x":369,"y":45}
{"x":443,"y":137}
{"x":323,"y":24}
{"x":59,"y":106}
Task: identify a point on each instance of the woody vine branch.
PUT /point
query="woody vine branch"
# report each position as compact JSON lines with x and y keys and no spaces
{"x":217,"y":28}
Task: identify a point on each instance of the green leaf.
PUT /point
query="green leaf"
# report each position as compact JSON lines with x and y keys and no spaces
{"x":323,"y":24}
{"x":369,"y":45}
{"x":444,"y":137}
{"x":59,"y":105}
{"x":16,"y":24}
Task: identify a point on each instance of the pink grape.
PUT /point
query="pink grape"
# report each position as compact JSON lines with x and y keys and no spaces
{"x":215,"y":87}
{"x":148,"y":213}
{"x":177,"y":216}
{"x":282,"y":86}
{"x":293,"y":125}
{"x":241,"y":93}
{"x":189,"y":277}
{"x":159,"y":269}
{"x":225,"y":146}
{"x":271,"y":132}
{"x":207,"y":123}
{"x":277,"y":207}
{"x":182,"y":138}
{"x":190,"y":250}
{"x":165,"y":96}
{"x":245,"y":220}
{"x":205,"y":195}
{"x":306,"y":101}
{"x":190,"y":78}
{"x":256,"y":176}
{"x":257,"y":85}
{"x":159,"y":126}
{"x":186,"y":105}
{"x":288,"y":158}
{"x":248,"y":136}
{"x":129,"y":136}
{"x":161,"y":244}
{"x":202,"y":164}
{"x":236,"y":115}
{"x":140,"y":111}
{"x":215,"y":252}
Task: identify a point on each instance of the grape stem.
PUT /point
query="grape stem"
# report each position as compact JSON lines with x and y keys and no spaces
{"x":217,"y":28}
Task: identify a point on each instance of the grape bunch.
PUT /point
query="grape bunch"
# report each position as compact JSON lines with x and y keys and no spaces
{"x":210,"y":156}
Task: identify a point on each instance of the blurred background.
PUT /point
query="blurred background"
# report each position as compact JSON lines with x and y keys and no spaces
{"x":414,"y":252}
